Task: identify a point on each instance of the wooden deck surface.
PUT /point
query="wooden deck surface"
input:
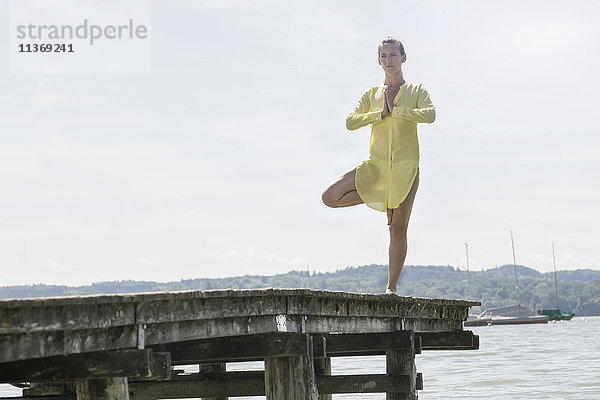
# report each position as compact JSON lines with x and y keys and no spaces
{"x":44,"y":327}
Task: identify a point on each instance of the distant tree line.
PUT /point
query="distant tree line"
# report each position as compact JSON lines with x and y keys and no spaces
{"x":579,"y":290}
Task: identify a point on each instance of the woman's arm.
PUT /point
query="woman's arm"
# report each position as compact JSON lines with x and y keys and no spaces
{"x":361,"y":116}
{"x":425,"y":111}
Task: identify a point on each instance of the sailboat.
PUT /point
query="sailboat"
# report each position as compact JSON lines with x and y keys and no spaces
{"x":554,"y":313}
{"x":508,"y":315}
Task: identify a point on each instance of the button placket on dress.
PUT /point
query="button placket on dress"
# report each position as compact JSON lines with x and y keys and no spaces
{"x":390,"y":135}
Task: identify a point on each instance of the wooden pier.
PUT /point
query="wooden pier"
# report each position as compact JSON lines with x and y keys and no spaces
{"x":130,"y":346}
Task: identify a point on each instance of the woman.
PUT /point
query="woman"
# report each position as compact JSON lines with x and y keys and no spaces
{"x":388,"y":180}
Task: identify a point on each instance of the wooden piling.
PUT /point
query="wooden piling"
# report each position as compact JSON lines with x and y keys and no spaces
{"x":102,"y":389}
{"x":323,"y":368}
{"x":213,"y":368}
{"x":290,"y":378}
{"x":402,"y":362}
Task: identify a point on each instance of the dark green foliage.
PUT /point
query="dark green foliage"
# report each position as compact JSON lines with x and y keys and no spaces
{"x":579,"y":290}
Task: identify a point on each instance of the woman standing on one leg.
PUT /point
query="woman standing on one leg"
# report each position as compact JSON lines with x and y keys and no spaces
{"x":388,"y":180}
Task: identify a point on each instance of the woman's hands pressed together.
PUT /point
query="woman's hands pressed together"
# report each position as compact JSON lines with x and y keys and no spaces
{"x":388,"y":103}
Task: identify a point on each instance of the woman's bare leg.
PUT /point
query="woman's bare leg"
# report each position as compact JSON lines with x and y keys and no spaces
{"x":343,"y":192}
{"x":398,"y":221}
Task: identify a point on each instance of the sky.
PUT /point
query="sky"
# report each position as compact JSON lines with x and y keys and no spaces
{"x":212,"y":162}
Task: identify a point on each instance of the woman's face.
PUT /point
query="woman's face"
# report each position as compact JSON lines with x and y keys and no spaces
{"x":390,"y":58}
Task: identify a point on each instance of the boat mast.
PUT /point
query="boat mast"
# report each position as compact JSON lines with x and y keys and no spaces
{"x":555,"y":279}
{"x":515,"y":264}
{"x":468,"y":276}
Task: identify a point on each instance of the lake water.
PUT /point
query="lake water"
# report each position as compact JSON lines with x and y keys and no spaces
{"x":559,"y":360}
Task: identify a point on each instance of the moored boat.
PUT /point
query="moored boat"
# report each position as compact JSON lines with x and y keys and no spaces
{"x":510,"y":315}
{"x":554,"y":314}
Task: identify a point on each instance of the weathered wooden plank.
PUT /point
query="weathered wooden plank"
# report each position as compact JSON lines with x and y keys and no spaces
{"x":22,"y":346}
{"x":103,"y":311}
{"x":455,"y":340}
{"x":122,"y":363}
{"x":229,"y":384}
{"x":379,"y":307}
{"x":102,"y":389}
{"x":328,"y":324}
{"x":36,"y":389}
{"x":203,"y":329}
{"x":373,"y":305}
{"x":221,"y":293}
{"x":209,"y":308}
{"x":41,"y":317}
{"x":371,"y":297}
{"x":252,"y":383}
{"x":389,"y":308}
{"x":46,"y":344}
{"x":312,"y":305}
{"x":427,"y":325}
{"x":380,"y":352}
{"x":374,"y":383}
{"x":216,"y":376}
{"x":238,"y":348}
{"x":349,"y":343}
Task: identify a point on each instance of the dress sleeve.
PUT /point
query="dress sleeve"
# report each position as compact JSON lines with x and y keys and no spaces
{"x":361,"y":116}
{"x":425,"y":111}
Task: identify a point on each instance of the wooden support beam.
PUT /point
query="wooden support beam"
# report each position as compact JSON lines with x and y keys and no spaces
{"x":252,"y":383}
{"x":375,"y":383}
{"x":322,"y":368}
{"x":215,"y":376}
{"x":348,"y":343}
{"x":102,"y":389}
{"x":64,"y":389}
{"x":326,"y":324}
{"x":237,"y":348}
{"x":139,"y":364}
{"x":227,"y":384}
{"x":402,"y":362}
{"x":212,"y":368}
{"x":455,"y":340}
{"x":373,"y":344}
{"x":364,"y":344}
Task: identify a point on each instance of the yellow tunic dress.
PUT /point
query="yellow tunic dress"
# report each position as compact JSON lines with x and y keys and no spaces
{"x":385,"y":178}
